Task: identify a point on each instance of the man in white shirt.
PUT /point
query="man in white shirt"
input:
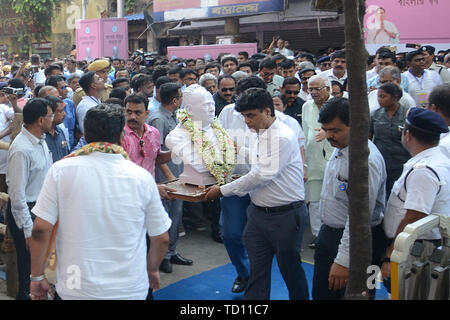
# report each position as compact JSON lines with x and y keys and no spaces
{"x":440,"y":102}
{"x":332,"y":254}
{"x":112,"y":203}
{"x":338,"y":71}
{"x":277,"y":193}
{"x":424,"y":186}
{"x":28,"y":162}
{"x":6,"y":118}
{"x":267,"y":70}
{"x":93,"y":85}
{"x":233,"y":217}
{"x":421,"y":80}
{"x":428,"y":54}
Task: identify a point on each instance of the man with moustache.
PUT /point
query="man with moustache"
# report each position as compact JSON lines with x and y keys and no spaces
{"x":225,"y":93}
{"x":338,"y":71}
{"x":290,"y":90}
{"x":332,"y":254}
{"x":141,"y":141}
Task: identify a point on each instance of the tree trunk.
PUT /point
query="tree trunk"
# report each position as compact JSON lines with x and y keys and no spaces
{"x":360,"y":231}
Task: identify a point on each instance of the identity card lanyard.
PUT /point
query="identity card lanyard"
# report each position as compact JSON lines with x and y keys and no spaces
{"x":423,"y":95}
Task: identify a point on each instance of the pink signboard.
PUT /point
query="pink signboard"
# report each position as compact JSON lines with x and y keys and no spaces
{"x":392,"y":22}
{"x":98,"y":38}
{"x":187,"y":52}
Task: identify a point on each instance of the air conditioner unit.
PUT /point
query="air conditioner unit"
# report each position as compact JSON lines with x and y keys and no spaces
{"x":225,"y":39}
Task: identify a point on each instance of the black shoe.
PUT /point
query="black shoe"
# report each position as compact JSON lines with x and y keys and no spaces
{"x":313,"y":244}
{"x":177,"y":259}
{"x":240,"y":284}
{"x":217,"y":236}
{"x":166,"y":266}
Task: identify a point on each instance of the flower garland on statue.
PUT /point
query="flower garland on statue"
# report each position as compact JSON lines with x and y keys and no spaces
{"x":220,"y":167}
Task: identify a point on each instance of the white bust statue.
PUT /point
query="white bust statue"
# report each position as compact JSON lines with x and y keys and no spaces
{"x":199,"y":105}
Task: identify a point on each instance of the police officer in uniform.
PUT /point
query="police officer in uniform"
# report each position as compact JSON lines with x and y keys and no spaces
{"x":101,"y":68}
{"x":424,"y":186}
{"x":332,"y":254}
{"x":430,"y":64}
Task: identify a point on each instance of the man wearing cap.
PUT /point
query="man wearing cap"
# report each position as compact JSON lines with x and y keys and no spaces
{"x":324,"y":63}
{"x":428,"y":54}
{"x":305,"y":71}
{"x":421,"y":80}
{"x":424,"y":186}
{"x":101,"y":68}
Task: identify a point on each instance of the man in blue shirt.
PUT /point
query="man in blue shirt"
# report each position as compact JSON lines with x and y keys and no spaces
{"x":70,"y":119}
{"x":55,"y":139}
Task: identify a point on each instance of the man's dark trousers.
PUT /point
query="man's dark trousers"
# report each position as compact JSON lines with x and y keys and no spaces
{"x":23,"y":254}
{"x":325,"y":253}
{"x":269,"y":234}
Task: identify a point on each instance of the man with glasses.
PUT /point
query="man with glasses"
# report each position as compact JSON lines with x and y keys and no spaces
{"x":28,"y":162}
{"x":189,"y":76}
{"x":290,"y":90}
{"x":267,"y":70}
{"x":324,"y":63}
{"x":305,"y":71}
{"x":226,"y":88}
{"x":317,"y":149}
{"x":424,"y":185}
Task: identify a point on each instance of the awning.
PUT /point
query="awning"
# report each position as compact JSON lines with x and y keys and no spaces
{"x":137,"y":16}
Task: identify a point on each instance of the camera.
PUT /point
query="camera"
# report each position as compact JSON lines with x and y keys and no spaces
{"x":16,"y":91}
{"x":146,"y":59}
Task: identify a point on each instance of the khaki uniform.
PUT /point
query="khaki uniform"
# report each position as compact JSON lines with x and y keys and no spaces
{"x":443,"y":72}
{"x":79,"y":94}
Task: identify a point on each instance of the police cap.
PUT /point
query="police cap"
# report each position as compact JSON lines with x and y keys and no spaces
{"x":427,"y":121}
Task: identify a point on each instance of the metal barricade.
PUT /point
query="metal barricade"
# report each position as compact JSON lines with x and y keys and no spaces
{"x":419,"y":270}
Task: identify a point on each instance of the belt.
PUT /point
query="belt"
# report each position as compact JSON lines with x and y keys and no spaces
{"x":332,"y":229}
{"x":287,"y":207}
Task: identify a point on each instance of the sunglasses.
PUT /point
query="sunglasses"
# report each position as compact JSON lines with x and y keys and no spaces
{"x":227,"y":89}
{"x":141,"y":148}
{"x":296,"y":92}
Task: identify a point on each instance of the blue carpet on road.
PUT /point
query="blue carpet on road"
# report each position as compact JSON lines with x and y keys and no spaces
{"x":216,"y":284}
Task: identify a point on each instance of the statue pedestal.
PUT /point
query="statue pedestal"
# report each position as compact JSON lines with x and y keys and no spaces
{"x":192,"y":176}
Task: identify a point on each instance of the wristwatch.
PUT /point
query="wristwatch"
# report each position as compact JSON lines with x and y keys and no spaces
{"x":38,"y":278}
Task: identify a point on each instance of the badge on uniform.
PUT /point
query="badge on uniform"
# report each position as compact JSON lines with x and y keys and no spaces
{"x":343,"y":187}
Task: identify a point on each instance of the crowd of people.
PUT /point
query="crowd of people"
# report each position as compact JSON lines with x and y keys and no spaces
{"x":107,"y":202}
